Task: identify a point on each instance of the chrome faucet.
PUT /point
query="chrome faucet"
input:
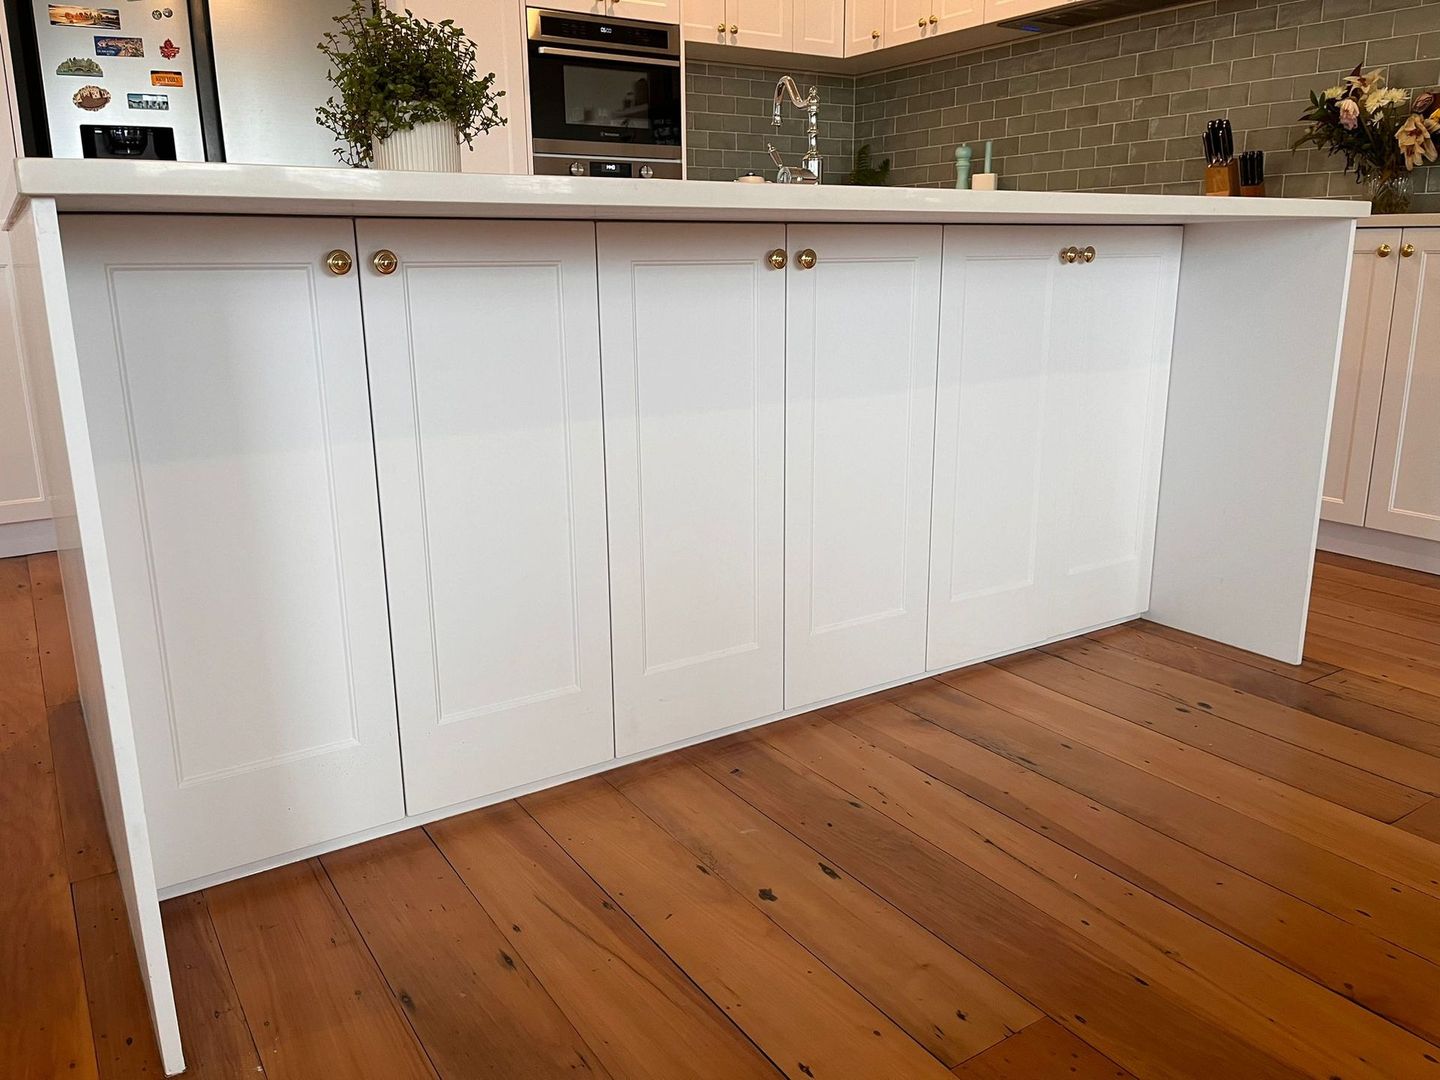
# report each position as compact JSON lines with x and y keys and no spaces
{"x":809,"y":171}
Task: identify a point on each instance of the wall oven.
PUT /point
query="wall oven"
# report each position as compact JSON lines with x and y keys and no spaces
{"x":604,"y":95}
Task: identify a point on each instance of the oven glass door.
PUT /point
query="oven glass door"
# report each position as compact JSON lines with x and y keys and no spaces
{"x":579,"y":96}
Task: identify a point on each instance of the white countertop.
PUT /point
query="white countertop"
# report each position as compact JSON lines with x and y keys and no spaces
{"x":187,"y":188}
{"x":1399,"y":221}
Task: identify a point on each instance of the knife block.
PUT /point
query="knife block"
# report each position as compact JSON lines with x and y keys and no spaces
{"x":1256,"y":190}
{"x":1222,"y":179}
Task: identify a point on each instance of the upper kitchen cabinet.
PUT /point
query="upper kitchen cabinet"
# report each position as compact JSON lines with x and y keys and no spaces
{"x":1405,"y":479}
{"x":864,"y":26}
{"x":881,"y":24}
{"x":666,"y":11}
{"x":1049,"y":418}
{"x":1373,"y":271}
{"x":498,"y":29}
{"x":863,"y":302}
{"x":223,"y":367}
{"x":693,"y":340}
{"x":813,"y":27}
{"x":948,"y":15}
{"x":818,"y":27}
{"x":484,"y":351}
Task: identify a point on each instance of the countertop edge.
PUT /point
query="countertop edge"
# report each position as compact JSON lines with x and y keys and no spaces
{"x":196,"y":188}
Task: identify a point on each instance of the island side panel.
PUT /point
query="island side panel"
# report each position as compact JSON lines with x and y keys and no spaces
{"x":49,"y":342}
{"x":1252,"y":382}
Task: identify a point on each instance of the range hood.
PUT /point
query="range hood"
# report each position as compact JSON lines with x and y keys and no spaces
{"x":1073,"y":15}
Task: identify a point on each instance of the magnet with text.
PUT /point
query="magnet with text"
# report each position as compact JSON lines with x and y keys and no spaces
{"x":119,"y":46}
{"x":166,"y":78}
{"x":75,"y":15}
{"x":149,"y":102}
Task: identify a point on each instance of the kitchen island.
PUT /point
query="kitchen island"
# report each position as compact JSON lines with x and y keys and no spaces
{"x":385,"y":496}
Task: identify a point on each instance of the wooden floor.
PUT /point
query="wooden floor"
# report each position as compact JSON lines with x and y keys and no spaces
{"x":1133,"y":854}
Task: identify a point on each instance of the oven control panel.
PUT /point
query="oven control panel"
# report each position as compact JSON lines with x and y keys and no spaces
{"x":558,"y":165}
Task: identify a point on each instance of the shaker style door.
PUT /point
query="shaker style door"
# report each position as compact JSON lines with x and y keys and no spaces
{"x":1405,"y":480}
{"x":693,"y":340}
{"x":224,"y":372}
{"x":485,"y":379}
{"x":1049,"y":421}
{"x":1362,"y":372}
{"x":861,"y":340}
{"x":762,"y":24}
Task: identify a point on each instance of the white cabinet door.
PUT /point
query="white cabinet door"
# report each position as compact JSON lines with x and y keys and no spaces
{"x":666,"y":11}
{"x":1405,"y":482}
{"x":22,"y":487}
{"x":1362,"y":371}
{"x":1049,"y":421}
{"x":693,"y":347}
{"x":819,"y":27}
{"x":706,"y":21}
{"x":956,"y":15}
{"x":906,"y":20}
{"x":485,"y":376}
{"x":762,"y":24}
{"x":864,"y":26}
{"x":861,"y":340}
{"x":224,"y":378}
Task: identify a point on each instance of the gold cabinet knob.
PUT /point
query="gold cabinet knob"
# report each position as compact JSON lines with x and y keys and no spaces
{"x":734,"y":29}
{"x":720,"y":29}
{"x":776,"y":259}
{"x":874,"y":35}
{"x":921,"y":24}
{"x":1087,"y":255}
{"x":934,"y":20}
{"x":1406,"y":250}
{"x":1069,"y":255}
{"x":806,"y":258}
{"x":1383,"y":251}
{"x":384,"y":261}
{"x":338,"y":262}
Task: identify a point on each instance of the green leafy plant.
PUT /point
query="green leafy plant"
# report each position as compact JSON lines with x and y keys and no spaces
{"x":867,"y":174}
{"x":393,"y":71}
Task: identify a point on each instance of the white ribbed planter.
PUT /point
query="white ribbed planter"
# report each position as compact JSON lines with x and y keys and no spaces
{"x":424,"y":148}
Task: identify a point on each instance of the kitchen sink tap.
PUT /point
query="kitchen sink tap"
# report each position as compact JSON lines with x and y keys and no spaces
{"x":809,"y":171}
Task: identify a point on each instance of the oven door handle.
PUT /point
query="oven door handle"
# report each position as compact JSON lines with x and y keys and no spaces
{"x":585,"y":54}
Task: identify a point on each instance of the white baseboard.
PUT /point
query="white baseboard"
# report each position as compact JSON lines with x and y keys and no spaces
{"x":1377,"y":546}
{"x":26,"y":538}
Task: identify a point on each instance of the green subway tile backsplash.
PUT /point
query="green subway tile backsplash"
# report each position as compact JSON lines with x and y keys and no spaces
{"x":1114,"y":107}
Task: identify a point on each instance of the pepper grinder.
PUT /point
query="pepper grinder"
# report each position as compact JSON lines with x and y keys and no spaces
{"x":962,"y":167}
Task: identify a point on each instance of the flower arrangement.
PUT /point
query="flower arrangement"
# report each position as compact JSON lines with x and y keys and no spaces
{"x":1383,"y":132}
{"x":394,"y":72}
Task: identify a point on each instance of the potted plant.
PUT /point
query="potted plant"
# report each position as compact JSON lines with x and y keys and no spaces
{"x":408,"y":92}
{"x":1383,"y":132}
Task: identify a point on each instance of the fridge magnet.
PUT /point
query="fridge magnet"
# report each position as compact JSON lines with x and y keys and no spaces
{"x":166,"y":78}
{"x":91,"y":98}
{"x":74,"y":15}
{"x":119,"y":46}
{"x":80,"y":65}
{"x":162,"y":13}
{"x":151,"y":102}
{"x":169,"y":50}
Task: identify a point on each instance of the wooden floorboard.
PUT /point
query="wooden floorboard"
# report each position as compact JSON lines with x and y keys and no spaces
{"x":1137,"y":854}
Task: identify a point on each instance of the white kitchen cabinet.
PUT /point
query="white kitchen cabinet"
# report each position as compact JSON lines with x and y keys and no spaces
{"x":1049,"y":420}
{"x":223,"y":369}
{"x":24,"y":500}
{"x":484,"y":359}
{"x":1362,"y":372}
{"x":1405,"y":479}
{"x":861,"y":343}
{"x":706,"y":21}
{"x":753,"y":24}
{"x":864,"y":26}
{"x":667,"y":11}
{"x":951,"y":15}
{"x":693,"y":347}
{"x":818,"y":27}
{"x":906,"y":20}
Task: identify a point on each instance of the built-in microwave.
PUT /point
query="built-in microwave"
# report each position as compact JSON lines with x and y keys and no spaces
{"x":604,"y":95}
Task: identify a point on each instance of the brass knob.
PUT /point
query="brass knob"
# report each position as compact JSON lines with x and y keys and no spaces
{"x":338,"y":262}
{"x":806,"y":258}
{"x":1069,"y":255}
{"x":1406,"y":250}
{"x":874,"y":35}
{"x":1383,"y":251}
{"x":921,"y":24}
{"x":776,"y":259}
{"x":933,"y":20}
{"x":734,"y":29}
{"x":720,"y":29}
{"x":1088,"y":255}
{"x":384,"y":261}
